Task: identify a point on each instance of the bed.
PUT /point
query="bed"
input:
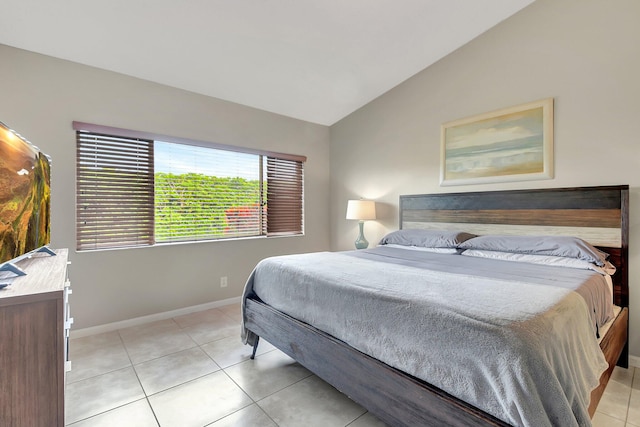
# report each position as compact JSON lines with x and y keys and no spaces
{"x":598,"y":215}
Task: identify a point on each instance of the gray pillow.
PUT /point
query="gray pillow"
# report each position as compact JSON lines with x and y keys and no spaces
{"x":565,"y":246}
{"x":426,"y":238}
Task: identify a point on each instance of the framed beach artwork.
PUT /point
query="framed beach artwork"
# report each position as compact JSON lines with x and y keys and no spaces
{"x":512,"y":144}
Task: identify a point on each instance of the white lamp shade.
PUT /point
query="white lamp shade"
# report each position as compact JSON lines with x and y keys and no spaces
{"x":361,"y":209}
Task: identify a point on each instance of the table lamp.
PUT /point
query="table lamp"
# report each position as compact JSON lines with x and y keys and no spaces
{"x":361,"y":210}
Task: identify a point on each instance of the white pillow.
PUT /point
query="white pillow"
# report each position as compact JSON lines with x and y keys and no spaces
{"x":560,"y":246}
{"x":558,"y":261}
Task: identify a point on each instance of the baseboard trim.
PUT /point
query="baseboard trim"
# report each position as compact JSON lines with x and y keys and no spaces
{"x":634,"y":361}
{"x":109,"y":327}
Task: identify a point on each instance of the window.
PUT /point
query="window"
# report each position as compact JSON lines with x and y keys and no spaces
{"x":138,"y":189}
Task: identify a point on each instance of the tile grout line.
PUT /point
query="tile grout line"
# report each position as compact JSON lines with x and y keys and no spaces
{"x":146,"y":397}
{"x":636,"y":371}
{"x":626,"y":414}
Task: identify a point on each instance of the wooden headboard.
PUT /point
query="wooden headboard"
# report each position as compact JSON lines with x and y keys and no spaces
{"x":599,"y":215}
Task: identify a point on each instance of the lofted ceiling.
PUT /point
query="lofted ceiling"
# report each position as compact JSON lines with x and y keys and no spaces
{"x":312,"y":60}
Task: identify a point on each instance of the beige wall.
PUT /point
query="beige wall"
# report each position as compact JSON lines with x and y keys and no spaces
{"x":582,"y":53}
{"x":41,"y":96}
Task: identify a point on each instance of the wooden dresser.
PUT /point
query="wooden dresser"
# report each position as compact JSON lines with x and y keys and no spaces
{"x":34,"y":329}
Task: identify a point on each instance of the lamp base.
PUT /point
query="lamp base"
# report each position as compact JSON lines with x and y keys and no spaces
{"x":361,"y":242}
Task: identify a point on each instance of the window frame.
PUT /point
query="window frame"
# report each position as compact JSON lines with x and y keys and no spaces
{"x":82,"y":127}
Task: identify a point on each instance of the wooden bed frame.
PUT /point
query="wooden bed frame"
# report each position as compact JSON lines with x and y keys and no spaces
{"x":599,"y":215}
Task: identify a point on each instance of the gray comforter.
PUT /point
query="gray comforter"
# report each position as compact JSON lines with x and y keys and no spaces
{"x":513,"y":339}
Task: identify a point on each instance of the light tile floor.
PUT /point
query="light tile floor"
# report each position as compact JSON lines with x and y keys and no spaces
{"x":192,"y":370}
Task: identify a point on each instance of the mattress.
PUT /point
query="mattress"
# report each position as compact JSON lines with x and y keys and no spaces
{"x":605,"y":328}
{"x":515,"y":340}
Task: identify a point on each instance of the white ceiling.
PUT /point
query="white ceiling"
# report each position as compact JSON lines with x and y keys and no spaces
{"x":312,"y":60}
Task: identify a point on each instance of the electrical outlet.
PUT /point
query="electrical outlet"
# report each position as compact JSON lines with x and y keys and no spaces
{"x":223,"y":282}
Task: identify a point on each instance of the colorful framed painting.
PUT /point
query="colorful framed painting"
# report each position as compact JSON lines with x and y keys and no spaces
{"x":512,"y":144}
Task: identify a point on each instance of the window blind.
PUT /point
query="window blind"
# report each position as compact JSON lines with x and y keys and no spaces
{"x":114,"y":191}
{"x":284,"y":196}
